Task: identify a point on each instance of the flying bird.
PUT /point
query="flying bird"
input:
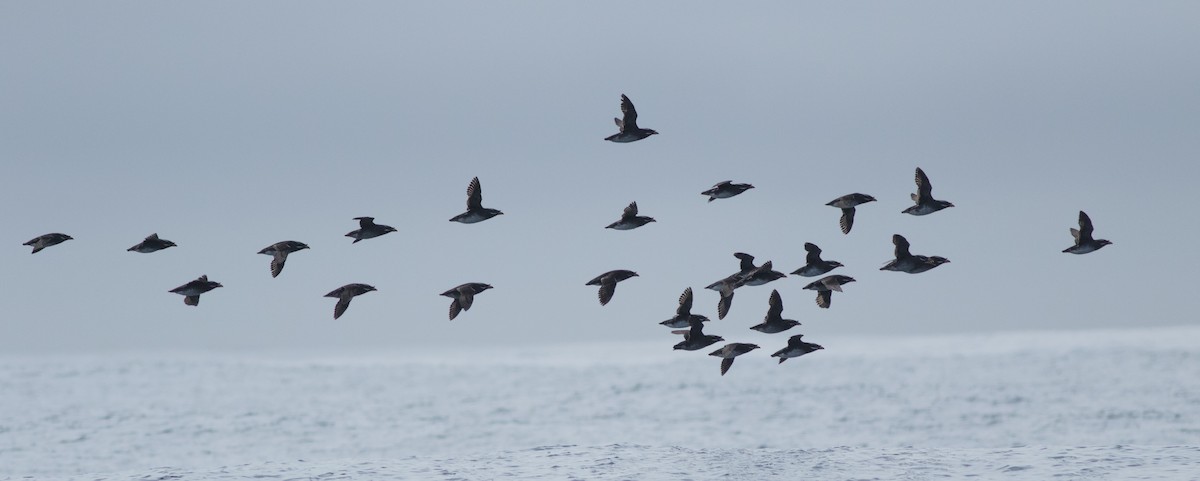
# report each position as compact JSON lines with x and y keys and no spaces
{"x":608,"y":283}
{"x":279,"y":252}
{"x":1084,"y":242}
{"x":464,"y":296}
{"x":815,"y":265}
{"x":796,"y":347}
{"x":476,"y":212}
{"x":730,"y":283}
{"x":629,"y":130}
{"x":192,"y":290}
{"x":725,"y":189}
{"x":762,"y":275}
{"x":630,"y":219}
{"x":774,"y":321}
{"x":150,"y":244}
{"x":368,"y":229}
{"x":344,"y":294}
{"x":695,"y":338}
{"x":925,"y":203}
{"x":907,"y":262}
{"x":683,"y":314}
{"x":730,"y":351}
{"x":46,"y":240}
{"x":847,"y":203}
{"x":825,"y":287}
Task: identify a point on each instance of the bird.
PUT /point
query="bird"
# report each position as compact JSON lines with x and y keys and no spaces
{"x":745,"y":267}
{"x":344,"y":294}
{"x":825,"y":287}
{"x":280,"y":251}
{"x":695,"y":338}
{"x":476,"y":212}
{"x":683,"y":313}
{"x":730,"y":283}
{"x":774,"y":321}
{"x":150,"y":244}
{"x":730,"y":351}
{"x":815,"y":265}
{"x":46,"y":240}
{"x":630,"y":219}
{"x":629,"y":130}
{"x":192,"y":290}
{"x":762,"y":275}
{"x":1084,"y":242}
{"x":608,"y":283}
{"x":725,"y":189}
{"x":796,"y":347}
{"x":907,"y":262}
{"x":368,"y":229}
{"x":464,"y":296}
{"x":847,"y":203}
{"x":925,"y":203}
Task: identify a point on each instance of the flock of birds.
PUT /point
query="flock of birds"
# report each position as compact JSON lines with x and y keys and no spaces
{"x":690,"y":326}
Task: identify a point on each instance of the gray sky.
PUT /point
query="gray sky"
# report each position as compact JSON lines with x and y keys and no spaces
{"x":228,"y":126}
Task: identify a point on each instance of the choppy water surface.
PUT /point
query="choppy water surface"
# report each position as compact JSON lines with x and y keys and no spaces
{"x":1119,"y":404}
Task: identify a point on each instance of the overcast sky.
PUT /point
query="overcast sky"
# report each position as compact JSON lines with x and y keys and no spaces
{"x":228,"y":126}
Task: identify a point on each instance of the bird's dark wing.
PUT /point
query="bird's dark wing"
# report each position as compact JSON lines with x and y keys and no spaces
{"x":1085,"y":227}
{"x":775,"y":311}
{"x":630,"y":114}
{"x":342,"y":304}
{"x":824,"y":298}
{"x":685,"y":303}
{"x":726,"y":363}
{"x":455,"y":308}
{"x":607,"y":287}
{"x":630,"y":211}
{"x":847,"y":220}
{"x":474,"y":195}
{"x":725,"y":303}
{"x":901,"y":246}
{"x":277,"y":262}
{"x":924,"y":188}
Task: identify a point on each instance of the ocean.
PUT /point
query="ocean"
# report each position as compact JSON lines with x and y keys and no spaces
{"x":1100,"y":404}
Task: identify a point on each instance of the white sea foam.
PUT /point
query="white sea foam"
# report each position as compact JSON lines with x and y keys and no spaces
{"x":1118,"y":404}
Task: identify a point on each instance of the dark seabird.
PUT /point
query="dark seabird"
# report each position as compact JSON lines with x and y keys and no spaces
{"x":796,"y":347}
{"x":1084,"y":242}
{"x":630,"y":219}
{"x":608,"y":283}
{"x":464,"y":296}
{"x":476,"y":212}
{"x":192,"y":290}
{"x":367,"y":229}
{"x":762,"y":275}
{"x":47,"y":240}
{"x":150,"y":244}
{"x":730,"y":351}
{"x":629,"y":130}
{"x":907,"y":262}
{"x":695,"y":338}
{"x":683,"y":313}
{"x":825,"y":287}
{"x":727,"y":285}
{"x":774,"y":321}
{"x":815,"y":266}
{"x":847,"y":203}
{"x":280,"y":251}
{"x":926,"y":204}
{"x":344,"y":294}
{"x":725,"y":189}
{"x":745,"y":267}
